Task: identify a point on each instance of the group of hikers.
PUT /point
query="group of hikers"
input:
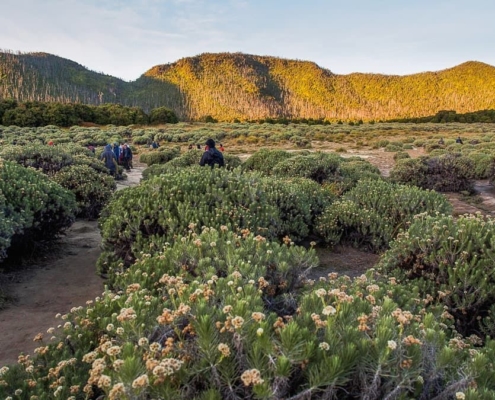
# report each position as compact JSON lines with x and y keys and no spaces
{"x":118,"y":154}
{"x":121,"y":154}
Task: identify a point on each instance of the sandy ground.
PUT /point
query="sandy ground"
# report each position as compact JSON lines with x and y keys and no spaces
{"x":67,"y":277}
{"x":53,"y":284}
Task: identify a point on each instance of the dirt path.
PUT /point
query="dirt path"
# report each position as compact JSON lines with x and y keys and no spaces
{"x":42,"y":290}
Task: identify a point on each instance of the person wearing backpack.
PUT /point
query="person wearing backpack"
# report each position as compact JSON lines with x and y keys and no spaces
{"x":212,"y":156}
{"x":110,"y":160}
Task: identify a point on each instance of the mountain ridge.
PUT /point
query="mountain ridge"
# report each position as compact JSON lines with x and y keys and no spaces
{"x":238,"y":86}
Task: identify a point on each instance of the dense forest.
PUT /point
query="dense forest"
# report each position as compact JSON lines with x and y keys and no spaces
{"x":236,"y":86}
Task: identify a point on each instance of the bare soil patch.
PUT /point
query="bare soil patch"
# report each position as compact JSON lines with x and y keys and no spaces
{"x":343,"y":259}
{"x":42,"y":290}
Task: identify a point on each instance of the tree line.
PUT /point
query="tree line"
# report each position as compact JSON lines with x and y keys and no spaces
{"x":445,"y":116}
{"x":36,"y":113}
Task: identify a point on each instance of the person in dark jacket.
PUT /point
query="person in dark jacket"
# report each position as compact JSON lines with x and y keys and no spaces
{"x":110,"y":160}
{"x":127,"y":157}
{"x":212,"y":156}
{"x":116,"y":151}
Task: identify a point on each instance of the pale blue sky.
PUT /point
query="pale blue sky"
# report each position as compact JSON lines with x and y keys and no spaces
{"x":124,"y":38}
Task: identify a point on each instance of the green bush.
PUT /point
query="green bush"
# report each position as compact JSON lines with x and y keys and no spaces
{"x":395,"y":146}
{"x":34,"y":207}
{"x":482,"y":163}
{"x":188,"y":159}
{"x":48,"y":159}
{"x":373,"y":213}
{"x":401,"y":155}
{"x":320,"y":167}
{"x":92,"y":189}
{"x":162,"y":208}
{"x":159,"y":157}
{"x":453,"y":260}
{"x":264,"y":160}
{"x":7,"y":227}
{"x":351,"y":171}
{"x":299,"y":202}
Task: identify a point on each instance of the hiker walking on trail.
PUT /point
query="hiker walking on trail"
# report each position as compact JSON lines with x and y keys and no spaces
{"x":116,"y":150}
{"x":127,"y":157}
{"x":110,"y":160}
{"x":211,"y":156}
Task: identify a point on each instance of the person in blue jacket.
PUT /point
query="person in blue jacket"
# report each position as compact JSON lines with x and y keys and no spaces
{"x":116,"y":151}
{"x":110,"y":160}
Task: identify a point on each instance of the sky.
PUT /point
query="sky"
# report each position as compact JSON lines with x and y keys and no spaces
{"x":125,"y":38}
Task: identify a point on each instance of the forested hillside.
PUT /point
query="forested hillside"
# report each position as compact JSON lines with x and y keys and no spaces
{"x":230,"y":86}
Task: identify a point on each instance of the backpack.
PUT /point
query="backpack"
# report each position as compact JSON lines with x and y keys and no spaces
{"x":216,"y":158}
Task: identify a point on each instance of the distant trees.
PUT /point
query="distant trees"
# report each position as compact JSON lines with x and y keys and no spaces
{"x":162,"y":115}
{"x":36,"y":114}
{"x":445,"y":116}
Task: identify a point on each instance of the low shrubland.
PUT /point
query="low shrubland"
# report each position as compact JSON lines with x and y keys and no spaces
{"x":372,"y":213}
{"x":163,"y":207}
{"x":73,"y":167}
{"x":221,"y":315}
{"x":208,"y":295}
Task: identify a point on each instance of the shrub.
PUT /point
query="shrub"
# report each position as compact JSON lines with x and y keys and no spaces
{"x":159,"y":157}
{"x":453,"y":260}
{"x":373,"y":213}
{"x":7,"y":228}
{"x":264,"y":160}
{"x":299,"y":201}
{"x":351,"y":171}
{"x":391,"y":147}
{"x":34,"y":206}
{"x":163,"y":115}
{"x":161,"y":208}
{"x":92,"y":189}
{"x":231,"y":161}
{"x":447,"y":173}
{"x":48,"y":159}
{"x":320,"y":167}
{"x":401,"y":155}
{"x":482,"y":164}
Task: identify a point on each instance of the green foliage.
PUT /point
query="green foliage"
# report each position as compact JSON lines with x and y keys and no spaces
{"x":74,"y":168}
{"x":299,"y":201}
{"x":158,"y":156}
{"x":218,"y":315}
{"x":162,"y":115}
{"x":320,"y":167}
{"x":264,"y":160}
{"x":452,"y":259}
{"x":34,"y":207}
{"x":372,"y":213}
{"x":401,"y":155}
{"x":92,"y":189}
{"x":163,"y":207}
{"x":351,"y":171}
{"x":446,"y":173}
